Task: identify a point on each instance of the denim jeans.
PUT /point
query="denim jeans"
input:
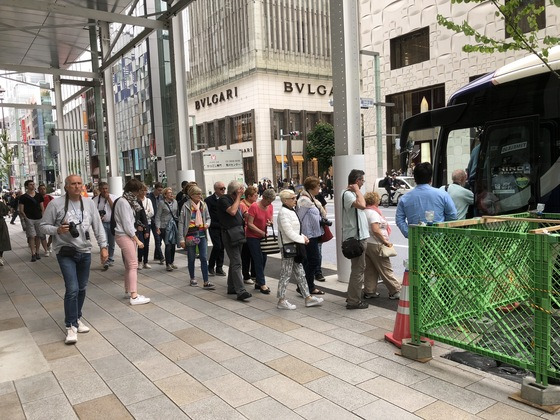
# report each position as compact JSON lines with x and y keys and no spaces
{"x":202,"y":255}
{"x":75,"y":271}
{"x":247,"y":263}
{"x":110,"y":239}
{"x":254,"y":245}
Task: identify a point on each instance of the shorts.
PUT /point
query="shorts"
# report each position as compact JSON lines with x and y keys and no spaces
{"x":32,"y":228}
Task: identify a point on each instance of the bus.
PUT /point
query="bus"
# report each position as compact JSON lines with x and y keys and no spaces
{"x":504,"y":127}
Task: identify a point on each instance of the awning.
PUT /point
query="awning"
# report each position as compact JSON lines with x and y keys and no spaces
{"x":297,"y":158}
{"x":279,"y":159}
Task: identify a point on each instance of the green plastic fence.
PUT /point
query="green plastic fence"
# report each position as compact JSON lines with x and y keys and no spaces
{"x":490,"y":288}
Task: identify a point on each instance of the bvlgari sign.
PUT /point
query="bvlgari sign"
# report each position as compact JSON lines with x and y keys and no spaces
{"x":216,"y":98}
{"x":308,"y":88}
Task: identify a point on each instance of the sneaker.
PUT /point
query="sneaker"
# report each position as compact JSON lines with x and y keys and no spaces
{"x":244,"y":295}
{"x":33,"y":258}
{"x":105,"y":266}
{"x":169,"y":268}
{"x":139,"y":300}
{"x":82,"y":328}
{"x":220,"y":273}
{"x":139,"y":266}
{"x":371,"y":295}
{"x":319,"y":277}
{"x":1,"y":262}
{"x":208,"y":286}
{"x":47,"y":253}
{"x":313,"y":301}
{"x":194,"y":283}
{"x":394,"y":296}
{"x":146,"y":266}
{"x":161,"y":262}
{"x":174,"y":267}
{"x":211,"y":272}
{"x":361,"y":305}
{"x":248,"y":281}
{"x":111,"y":262}
{"x":37,"y":256}
{"x":71,"y":335}
{"x":284,"y":304}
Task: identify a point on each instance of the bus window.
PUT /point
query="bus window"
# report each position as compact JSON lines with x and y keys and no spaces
{"x":457,"y":152}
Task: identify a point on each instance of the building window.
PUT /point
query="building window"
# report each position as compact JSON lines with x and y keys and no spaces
{"x":242,"y":128}
{"x":411,"y":48}
{"x":523,"y":22}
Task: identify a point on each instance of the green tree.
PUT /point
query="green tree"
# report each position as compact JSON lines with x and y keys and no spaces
{"x":320,"y":145}
{"x":6,"y":156}
{"x":521,"y":23}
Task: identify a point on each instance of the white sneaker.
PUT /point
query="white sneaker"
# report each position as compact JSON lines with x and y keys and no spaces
{"x":147,"y":266}
{"x":71,"y":335}
{"x":47,"y":253}
{"x":313,"y":301}
{"x":284,"y":304}
{"x":1,"y":262}
{"x":174,"y":267}
{"x":248,"y":281}
{"x":139,"y":300}
{"x":82,"y":328}
{"x":139,"y":267}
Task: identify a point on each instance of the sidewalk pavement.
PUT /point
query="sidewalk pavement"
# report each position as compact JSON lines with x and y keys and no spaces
{"x":200,"y":354}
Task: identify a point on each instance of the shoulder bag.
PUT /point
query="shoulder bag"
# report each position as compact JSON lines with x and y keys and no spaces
{"x":269,"y":244}
{"x":325,"y":224}
{"x":387,"y":251}
{"x":352,"y":247}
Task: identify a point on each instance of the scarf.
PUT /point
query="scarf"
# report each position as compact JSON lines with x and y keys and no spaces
{"x":133,"y":201}
{"x":376,"y":209}
{"x":316,"y":202}
{"x":195,"y":208}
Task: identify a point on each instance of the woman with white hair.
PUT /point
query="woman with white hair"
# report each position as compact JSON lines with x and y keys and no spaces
{"x":289,"y":231}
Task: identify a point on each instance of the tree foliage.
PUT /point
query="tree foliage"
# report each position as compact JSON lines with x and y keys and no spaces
{"x":517,"y":15}
{"x":6,"y":157}
{"x":320,"y":145}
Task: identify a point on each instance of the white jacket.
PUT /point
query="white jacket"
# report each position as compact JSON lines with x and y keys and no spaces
{"x":148,"y":208}
{"x":288,"y":227}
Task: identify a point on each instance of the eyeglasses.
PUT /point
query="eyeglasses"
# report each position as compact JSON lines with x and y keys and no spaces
{"x":222,"y":189}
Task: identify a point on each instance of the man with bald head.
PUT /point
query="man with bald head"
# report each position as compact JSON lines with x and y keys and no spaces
{"x":68,"y":219}
{"x":461,"y":196}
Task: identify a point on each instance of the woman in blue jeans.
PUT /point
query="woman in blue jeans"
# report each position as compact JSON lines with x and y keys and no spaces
{"x":193,"y":228}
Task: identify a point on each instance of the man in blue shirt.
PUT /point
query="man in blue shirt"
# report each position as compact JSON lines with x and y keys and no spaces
{"x":412,"y":206}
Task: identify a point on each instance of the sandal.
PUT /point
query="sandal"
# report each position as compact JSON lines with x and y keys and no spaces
{"x":317,"y":292}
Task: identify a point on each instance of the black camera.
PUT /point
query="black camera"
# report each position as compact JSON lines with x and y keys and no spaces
{"x":102,"y":213}
{"x":73,"y":230}
{"x":325,"y":222}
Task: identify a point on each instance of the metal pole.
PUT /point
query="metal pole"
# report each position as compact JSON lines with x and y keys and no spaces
{"x":63,"y":162}
{"x":282,"y":154}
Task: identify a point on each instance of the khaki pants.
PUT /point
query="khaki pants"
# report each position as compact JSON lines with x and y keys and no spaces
{"x":356,"y":280}
{"x":378,"y":266}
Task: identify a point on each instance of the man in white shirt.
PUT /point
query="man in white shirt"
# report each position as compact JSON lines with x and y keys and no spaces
{"x":104,"y":203}
{"x":462,"y":197}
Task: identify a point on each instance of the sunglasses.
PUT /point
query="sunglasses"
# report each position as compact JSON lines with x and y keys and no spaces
{"x":222,"y":189}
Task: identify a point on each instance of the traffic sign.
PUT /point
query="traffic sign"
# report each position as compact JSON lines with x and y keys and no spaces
{"x":37,"y":142}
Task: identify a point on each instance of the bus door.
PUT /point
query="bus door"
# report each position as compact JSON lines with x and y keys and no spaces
{"x":506,"y":175}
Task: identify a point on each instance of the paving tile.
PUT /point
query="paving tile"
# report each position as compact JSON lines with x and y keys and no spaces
{"x":377,"y":333}
{"x":248,"y":368}
{"x":345,"y":370}
{"x":397,"y":394}
{"x":159,"y":407}
{"x":218,"y":351}
{"x":279,"y":324}
{"x":95,"y":347}
{"x":202,"y":368}
{"x":7,"y":387}
{"x":350,"y":337}
{"x":264,"y":408}
{"x":37,"y":387}
{"x":296,"y":369}
{"x":177,"y":350}
{"x":10,"y":406}
{"x":20,"y":356}
{"x":67,"y":367}
{"x":133,"y":388}
{"x":500,"y":411}
{"x":11,"y":323}
{"x":381,"y":409}
{"x":304,"y":351}
{"x":52,"y":335}
{"x":193,"y":336}
{"x":388,"y":351}
{"x":157,"y":367}
{"x":324,"y":409}
{"x":382,"y":322}
{"x":52,"y":407}
{"x":311,"y":337}
{"x":340,"y":392}
{"x":347,"y":352}
{"x":315,"y":324}
{"x":440,"y":410}
{"x":114,"y":366}
{"x":263,"y":351}
{"x":350,"y":324}
{"x":183,"y":389}
{"x":234,"y":390}
{"x":58,"y":350}
{"x":449,"y":373}
{"x":287,"y":391}
{"x":241,"y":323}
{"x":107,"y":407}
{"x":212,"y":408}
{"x":84,"y":387}
{"x":395,"y":371}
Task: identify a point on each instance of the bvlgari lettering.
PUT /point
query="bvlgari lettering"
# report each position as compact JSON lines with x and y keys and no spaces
{"x":310,"y":89}
{"x":216,"y":98}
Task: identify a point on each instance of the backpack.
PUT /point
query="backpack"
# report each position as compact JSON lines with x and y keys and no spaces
{"x":113,"y":222}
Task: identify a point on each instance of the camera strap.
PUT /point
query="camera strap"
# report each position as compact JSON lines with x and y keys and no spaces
{"x":66,"y":201}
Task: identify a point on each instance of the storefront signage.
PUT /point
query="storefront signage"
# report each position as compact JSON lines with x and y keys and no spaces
{"x":308,"y":88}
{"x":216,"y":98}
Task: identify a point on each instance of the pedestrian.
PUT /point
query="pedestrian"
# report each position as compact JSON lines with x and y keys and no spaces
{"x":14,"y":204}
{"x":247,"y":262}
{"x":319,"y":270}
{"x":310,"y":212}
{"x":413,"y":205}
{"x":126,"y":212}
{"x":217,"y":254}
{"x":461,"y":196}
{"x":233,"y":237}
{"x":354,"y":225}
{"x":289,"y":231}
{"x":31,"y":212}
{"x":46,"y":200}
{"x":104,"y":203}
{"x":166,"y":224}
{"x":5,"y":244}
{"x":68,"y":219}
{"x":156,"y":197}
{"x":259,"y":218}
{"x":143,"y":228}
{"x":378,"y":266}
{"x":193,"y":228}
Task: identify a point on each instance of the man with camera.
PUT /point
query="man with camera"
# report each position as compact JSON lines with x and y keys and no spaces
{"x":68,"y":219}
{"x":104,"y":203}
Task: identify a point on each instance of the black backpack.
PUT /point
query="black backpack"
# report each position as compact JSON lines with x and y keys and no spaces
{"x":113,"y":222}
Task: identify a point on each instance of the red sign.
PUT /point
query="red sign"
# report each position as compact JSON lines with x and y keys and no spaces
{"x":23,"y":131}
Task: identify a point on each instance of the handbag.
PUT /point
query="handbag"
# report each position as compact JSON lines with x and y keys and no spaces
{"x":269,"y":244}
{"x":236,"y":235}
{"x":387,"y":251}
{"x":352,"y":247}
{"x":67,"y":251}
{"x":327,"y":234}
{"x":289,"y":250}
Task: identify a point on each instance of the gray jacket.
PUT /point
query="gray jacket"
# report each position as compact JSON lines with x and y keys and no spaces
{"x":165,"y":212}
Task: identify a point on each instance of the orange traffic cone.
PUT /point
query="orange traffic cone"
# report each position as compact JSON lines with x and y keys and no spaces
{"x":402,"y":322}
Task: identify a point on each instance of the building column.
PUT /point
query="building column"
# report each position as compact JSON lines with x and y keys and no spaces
{"x":62,"y":155}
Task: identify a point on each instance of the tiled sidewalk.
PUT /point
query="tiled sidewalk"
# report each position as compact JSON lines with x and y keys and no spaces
{"x":200,"y":354}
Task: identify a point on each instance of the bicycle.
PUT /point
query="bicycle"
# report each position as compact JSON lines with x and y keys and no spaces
{"x":396,"y":196}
